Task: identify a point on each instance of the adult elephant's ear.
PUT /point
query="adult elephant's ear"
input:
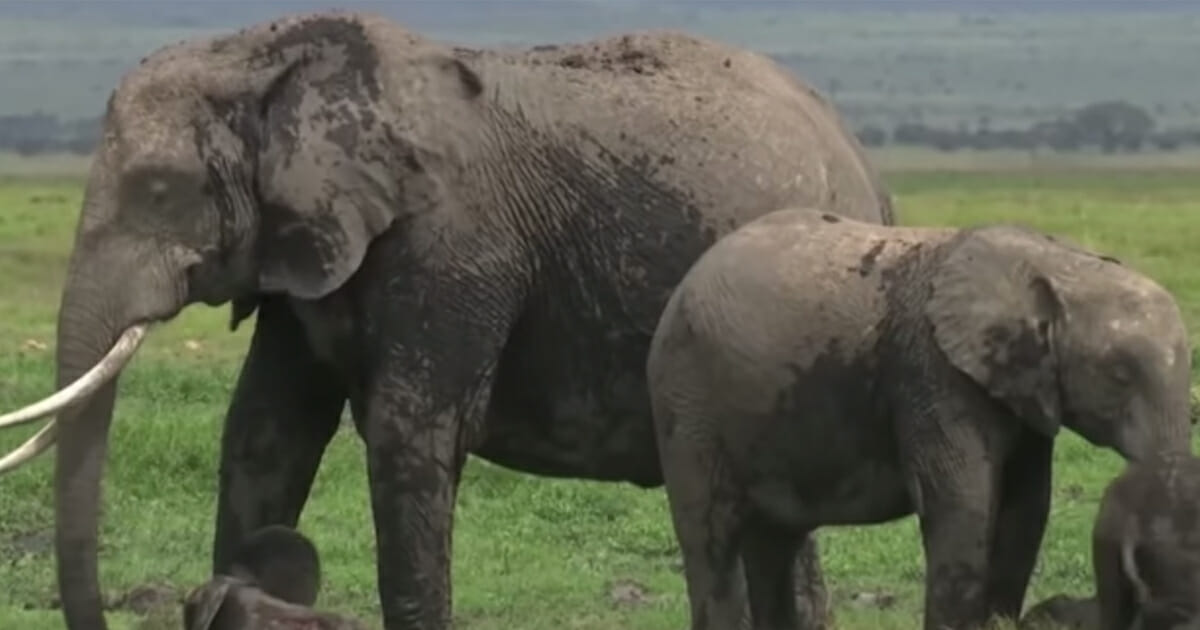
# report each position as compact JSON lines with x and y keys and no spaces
{"x":343,"y":156}
{"x":994,"y":316}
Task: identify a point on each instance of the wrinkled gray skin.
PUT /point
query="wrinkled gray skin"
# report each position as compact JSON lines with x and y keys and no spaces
{"x":1145,"y":550}
{"x":472,"y":248}
{"x":1062,"y":612}
{"x":272,"y":585}
{"x":810,"y":370}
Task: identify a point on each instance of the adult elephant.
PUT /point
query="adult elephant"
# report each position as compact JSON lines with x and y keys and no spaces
{"x":471,"y":247}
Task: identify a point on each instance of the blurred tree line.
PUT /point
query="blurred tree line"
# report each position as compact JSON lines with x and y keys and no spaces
{"x":1110,"y":126}
{"x":39,"y":132}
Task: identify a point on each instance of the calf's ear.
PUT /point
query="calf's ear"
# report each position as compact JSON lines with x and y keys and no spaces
{"x":994,"y":316}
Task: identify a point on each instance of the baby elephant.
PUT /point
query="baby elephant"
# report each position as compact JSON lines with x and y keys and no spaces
{"x":813,"y":370}
{"x":273,"y":584}
{"x":1146,"y":546}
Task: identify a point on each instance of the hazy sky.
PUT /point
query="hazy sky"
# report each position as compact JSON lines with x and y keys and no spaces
{"x":201,"y":12}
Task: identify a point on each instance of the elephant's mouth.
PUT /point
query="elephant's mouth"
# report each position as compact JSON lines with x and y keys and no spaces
{"x":104,"y":371}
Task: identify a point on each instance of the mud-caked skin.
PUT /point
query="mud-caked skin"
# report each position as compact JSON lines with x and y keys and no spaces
{"x":1062,"y":612}
{"x":470,"y":247}
{"x":1146,"y":546}
{"x":813,"y":370}
{"x":272,"y":585}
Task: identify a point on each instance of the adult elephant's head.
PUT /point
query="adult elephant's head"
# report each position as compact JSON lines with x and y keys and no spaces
{"x":1063,"y":336}
{"x":261,"y":162}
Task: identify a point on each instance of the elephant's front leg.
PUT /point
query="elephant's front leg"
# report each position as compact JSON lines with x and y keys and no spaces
{"x":1024,"y":506}
{"x":284,"y":411}
{"x":414,"y":469}
{"x":425,"y":411}
{"x":811,"y":594}
{"x":956,"y":516}
{"x":956,"y":558}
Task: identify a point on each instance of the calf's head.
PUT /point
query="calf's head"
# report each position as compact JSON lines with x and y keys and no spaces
{"x":274,"y":580}
{"x":1062,"y":336}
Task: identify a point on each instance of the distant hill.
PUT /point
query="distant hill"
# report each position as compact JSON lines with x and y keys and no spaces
{"x":427,"y":13}
{"x":953,"y":64}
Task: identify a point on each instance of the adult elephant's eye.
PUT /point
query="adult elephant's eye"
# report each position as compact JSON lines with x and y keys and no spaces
{"x":1122,"y":371}
{"x":1122,"y":374}
{"x":157,"y":190}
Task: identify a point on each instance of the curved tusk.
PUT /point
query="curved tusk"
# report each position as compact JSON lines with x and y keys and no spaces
{"x":101,"y":373}
{"x":32,"y":447}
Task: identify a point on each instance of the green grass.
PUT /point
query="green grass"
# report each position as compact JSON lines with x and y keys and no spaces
{"x":530,"y":553}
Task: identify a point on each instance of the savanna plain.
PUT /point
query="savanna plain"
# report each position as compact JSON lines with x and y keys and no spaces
{"x":529,"y":553}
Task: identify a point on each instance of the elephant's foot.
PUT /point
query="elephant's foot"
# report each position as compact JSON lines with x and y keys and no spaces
{"x":813,"y":611}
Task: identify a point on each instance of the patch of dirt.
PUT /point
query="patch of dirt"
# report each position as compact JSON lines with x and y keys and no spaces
{"x":34,"y":542}
{"x":468,"y":53}
{"x":33,"y":344}
{"x":144,"y":598}
{"x":625,"y":593}
{"x":51,"y":198}
{"x":1062,"y":612}
{"x":625,"y":57}
{"x":30,"y":547}
{"x":881,"y":600}
{"x":139,"y":600}
{"x":163,"y":618}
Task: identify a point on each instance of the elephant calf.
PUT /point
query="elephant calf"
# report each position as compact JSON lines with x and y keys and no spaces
{"x":813,"y":370}
{"x":1146,"y":546}
{"x":272,"y":585}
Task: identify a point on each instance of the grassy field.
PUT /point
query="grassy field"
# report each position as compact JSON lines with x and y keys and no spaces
{"x":529,"y":553}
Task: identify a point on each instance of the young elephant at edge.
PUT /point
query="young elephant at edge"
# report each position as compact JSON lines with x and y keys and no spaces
{"x":272,"y":585}
{"x":1146,"y":547}
{"x":811,"y":370}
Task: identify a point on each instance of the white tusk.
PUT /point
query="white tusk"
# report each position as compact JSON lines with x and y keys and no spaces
{"x":93,"y":379}
{"x":32,"y":447}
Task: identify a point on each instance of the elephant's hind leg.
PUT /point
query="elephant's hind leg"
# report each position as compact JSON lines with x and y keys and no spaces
{"x":708,"y":512}
{"x":1023,"y":510}
{"x":713,"y":568}
{"x":285,"y":409}
{"x":768,"y":554}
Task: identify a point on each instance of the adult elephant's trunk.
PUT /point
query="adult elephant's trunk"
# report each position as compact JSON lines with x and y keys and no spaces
{"x":78,"y":468}
{"x":113,"y":291}
{"x":85,"y":334}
